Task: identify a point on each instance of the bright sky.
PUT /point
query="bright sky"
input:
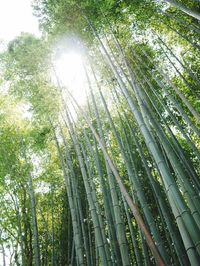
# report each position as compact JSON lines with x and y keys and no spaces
{"x":16,"y":17}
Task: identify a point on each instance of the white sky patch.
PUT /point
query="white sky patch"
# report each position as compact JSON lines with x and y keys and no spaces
{"x":37,"y":165}
{"x":16,"y":17}
{"x":4,"y":87}
{"x":43,"y":187}
{"x":25,"y":112}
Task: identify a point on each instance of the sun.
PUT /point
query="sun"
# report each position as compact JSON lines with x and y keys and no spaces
{"x":69,"y":69}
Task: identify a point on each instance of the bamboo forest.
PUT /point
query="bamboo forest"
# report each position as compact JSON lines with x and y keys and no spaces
{"x":100,"y":135}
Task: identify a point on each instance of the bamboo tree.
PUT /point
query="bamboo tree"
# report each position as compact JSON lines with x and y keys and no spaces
{"x":33,"y":214}
{"x":77,"y":239}
{"x":168,"y":95}
{"x":136,"y":184}
{"x":190,"y":12}
{"x":98,"y":233}
{"x":181,"y":22}
{"x":157,"y":190}
{"x":107,"y":203}
{"x":174,"y":195}
{"x":133,"y":208}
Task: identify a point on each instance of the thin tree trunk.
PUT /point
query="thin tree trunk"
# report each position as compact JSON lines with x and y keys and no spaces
{"x":190,"y":12}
